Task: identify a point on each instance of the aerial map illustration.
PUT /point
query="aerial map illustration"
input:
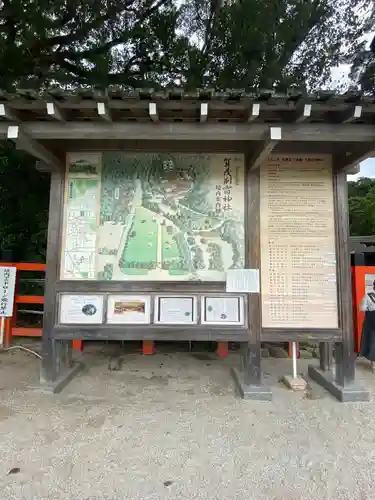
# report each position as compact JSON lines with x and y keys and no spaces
{"x":154,"y":217}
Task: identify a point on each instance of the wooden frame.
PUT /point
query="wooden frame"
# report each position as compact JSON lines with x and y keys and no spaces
{"x":48,"y":127}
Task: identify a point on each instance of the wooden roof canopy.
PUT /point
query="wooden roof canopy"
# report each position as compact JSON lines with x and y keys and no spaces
{"x":46,"y":124}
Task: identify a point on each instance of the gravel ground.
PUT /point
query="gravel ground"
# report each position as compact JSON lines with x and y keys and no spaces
{"x":169,"y":426}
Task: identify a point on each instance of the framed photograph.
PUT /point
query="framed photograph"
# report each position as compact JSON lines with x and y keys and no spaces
{"x":170,"y":310}
{"x":222,"y":310}
{"x":81,"y":309}
{"x":129,"y":309}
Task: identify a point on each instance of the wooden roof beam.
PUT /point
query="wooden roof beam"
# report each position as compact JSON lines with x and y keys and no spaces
{"x":266,"y":147}
{"x":352,"y":114}
{"x":309,"y":132}
{"x":254,"y":112}
{"x":153,"y":112}
{"x":204,"y":112}
{"x":54,"y":111}
{"x":304,"y":113}
{"x":34,"y":148}
{"x":103,"y":111}
{"x":8,"y":114}
{"x":350,"y":162}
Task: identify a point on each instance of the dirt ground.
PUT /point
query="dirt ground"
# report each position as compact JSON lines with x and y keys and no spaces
{"x":170,"y":426}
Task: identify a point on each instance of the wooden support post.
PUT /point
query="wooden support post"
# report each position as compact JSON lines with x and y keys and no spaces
{"x":249,"y":381}
{"x":222,"y":349}
{"x":325,"y":355}
{"x":57,"y":368}
{"x":148,"y":347}
{"x":342,"y":386}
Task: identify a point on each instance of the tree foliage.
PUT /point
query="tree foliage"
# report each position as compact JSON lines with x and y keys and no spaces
{"x":194,"y":43}
{"x":246,"y":44}
{"x":362,"y":207}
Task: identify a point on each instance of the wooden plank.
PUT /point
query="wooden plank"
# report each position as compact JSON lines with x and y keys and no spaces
{"x":49,"y":370}
{"x":266,"y":147}
{"x":31,"y":146}
{"x":139,"y":287}
{"x":251,"y":350}
{"x":345,"y":356}
{"x":281,"y":335}
{"x":135,"y":332}
{"x":189,"y":131}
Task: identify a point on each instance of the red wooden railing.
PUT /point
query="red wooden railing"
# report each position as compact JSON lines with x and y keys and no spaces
{"x":11,"y":328}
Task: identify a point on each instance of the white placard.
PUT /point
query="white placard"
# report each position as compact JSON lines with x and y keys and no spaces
{"x":175,"y":310}
{"x":7,"y":286}
{"x":222,"y":310}
{"x":129,"y":309}
{"x":243,"y":280}
{"x":85,"y":309}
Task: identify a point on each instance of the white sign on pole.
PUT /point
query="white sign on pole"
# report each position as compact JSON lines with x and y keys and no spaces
{"x":7,"y":287}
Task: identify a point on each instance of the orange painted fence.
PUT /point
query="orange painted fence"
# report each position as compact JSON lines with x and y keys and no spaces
{"x":11,"y":328}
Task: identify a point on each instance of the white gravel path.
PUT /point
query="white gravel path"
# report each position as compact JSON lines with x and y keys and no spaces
{"x":170,"y":427}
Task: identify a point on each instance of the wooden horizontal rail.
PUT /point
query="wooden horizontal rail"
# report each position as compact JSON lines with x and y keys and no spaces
{"x":18,"y":331}
{"x":29,"y":299}
{"x":25,"y":266}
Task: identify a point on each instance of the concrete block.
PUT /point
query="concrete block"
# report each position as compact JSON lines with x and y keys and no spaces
{"x":296,"y":384}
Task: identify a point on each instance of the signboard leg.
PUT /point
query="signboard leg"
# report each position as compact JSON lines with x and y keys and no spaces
{"x":325,"y":350}
{"x":248,"y":380}
{"x":2,"y":331}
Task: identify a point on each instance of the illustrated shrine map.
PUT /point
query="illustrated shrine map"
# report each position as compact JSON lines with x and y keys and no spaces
{"x":154,"y":217}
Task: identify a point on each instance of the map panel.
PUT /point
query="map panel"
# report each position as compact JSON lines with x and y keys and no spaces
{"x":155,"y":217}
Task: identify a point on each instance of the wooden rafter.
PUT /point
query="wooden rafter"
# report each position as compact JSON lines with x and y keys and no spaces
{"x":204,"y":112}
{"x":304,"y":113}
{"x":266,"y":147}
{"x":103,"y":111}
{"x":8,"y":114}
{"x":54,"y":111}
{"x":33,"y":147}
{"x":153,"y":112}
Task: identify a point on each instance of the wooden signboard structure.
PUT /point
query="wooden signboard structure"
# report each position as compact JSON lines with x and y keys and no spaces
{"x":160,"y":199}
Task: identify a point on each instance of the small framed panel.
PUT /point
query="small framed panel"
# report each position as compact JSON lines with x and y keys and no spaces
{"x":176,"y":310}
{"x":81,"y":309}
{"x":226,"y":311}
{"x":129,"y":309}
